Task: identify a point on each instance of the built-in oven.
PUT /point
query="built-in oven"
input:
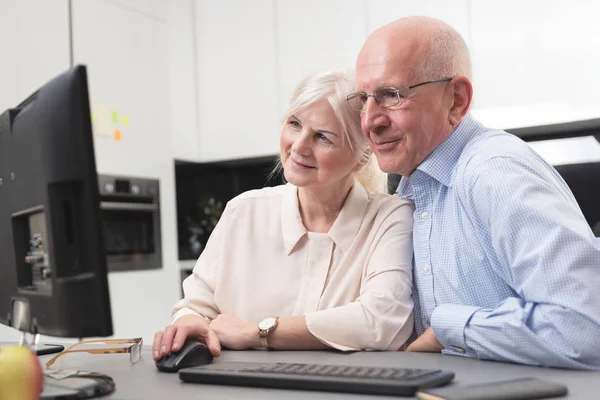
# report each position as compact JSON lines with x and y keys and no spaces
{"x":131,"y":218}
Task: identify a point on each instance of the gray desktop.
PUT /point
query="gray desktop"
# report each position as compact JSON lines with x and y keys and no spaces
{"x":143,"y":381}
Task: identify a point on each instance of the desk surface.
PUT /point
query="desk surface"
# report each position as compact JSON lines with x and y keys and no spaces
{"x":143,"y":381}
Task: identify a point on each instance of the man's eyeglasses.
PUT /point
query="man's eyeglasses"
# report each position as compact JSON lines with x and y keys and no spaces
{"x":386,"y":96}
{"x":134,"y":350}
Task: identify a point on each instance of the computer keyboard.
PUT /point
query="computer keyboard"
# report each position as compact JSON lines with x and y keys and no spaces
{"x":333,"y":378}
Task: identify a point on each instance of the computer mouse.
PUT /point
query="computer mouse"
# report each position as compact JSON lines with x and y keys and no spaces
{"x":192,"y":354}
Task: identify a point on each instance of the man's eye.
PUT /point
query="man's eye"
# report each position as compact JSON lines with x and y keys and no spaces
{"x":386,"y":95}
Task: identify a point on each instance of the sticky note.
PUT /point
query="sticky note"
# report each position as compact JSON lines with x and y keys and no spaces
{"x":102,"y":123}
{"x":118,"y":136}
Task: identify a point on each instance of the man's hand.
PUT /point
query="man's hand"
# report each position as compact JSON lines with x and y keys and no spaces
{"x":427,"y":342}
{"x":174,"y":336}
{"x":234,"y":333}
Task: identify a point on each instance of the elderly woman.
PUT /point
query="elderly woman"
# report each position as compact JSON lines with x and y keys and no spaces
{"x":322,"y":261}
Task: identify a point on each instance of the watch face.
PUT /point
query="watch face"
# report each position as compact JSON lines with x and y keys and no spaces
{"x":266,"y":323}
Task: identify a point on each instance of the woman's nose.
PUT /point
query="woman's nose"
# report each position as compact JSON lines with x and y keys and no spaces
{"x":302,"y":144}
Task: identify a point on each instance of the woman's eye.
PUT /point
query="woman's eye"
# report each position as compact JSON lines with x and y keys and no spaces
{"x":323,"y":138}
{"x":294,"y":123}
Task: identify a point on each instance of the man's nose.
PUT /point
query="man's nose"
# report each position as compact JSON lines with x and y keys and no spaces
{"x":373,"y":116}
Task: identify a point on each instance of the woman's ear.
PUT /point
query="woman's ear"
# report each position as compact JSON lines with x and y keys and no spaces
{"x":461,"y":96}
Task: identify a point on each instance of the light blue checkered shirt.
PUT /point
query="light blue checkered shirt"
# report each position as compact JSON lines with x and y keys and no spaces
{"x":506,"y":267}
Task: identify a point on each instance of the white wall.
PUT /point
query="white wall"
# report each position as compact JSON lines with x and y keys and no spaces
{"x":34,"y":39}
{"x":535,"y":62}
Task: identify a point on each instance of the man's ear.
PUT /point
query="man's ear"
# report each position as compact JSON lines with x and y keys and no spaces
{"x":461,"y":94}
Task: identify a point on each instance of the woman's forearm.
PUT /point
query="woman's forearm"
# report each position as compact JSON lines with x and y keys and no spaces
{"x":292,"y":334}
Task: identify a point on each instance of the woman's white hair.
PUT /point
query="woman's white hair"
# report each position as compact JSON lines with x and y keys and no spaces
{"x":334,"y":86}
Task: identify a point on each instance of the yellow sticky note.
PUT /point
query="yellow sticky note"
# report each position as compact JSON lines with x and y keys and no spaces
{"x":115,"y":117}
{"x":125,"y":120}
{"x":102,"y":124}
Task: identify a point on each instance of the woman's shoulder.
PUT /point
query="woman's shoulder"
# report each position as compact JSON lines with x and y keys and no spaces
{"x":390,"y":209}
{"x":388,"y":201}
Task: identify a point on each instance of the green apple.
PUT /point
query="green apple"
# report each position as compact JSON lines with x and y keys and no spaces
{"x":21,"y":375}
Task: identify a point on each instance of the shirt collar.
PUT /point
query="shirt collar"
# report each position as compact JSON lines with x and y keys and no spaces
{"x":342,"y":232}
{"x":441,"y":163}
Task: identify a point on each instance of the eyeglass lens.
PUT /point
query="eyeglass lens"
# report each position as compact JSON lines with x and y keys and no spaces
{"x":385,"y":97}
{"x":136,"y":352}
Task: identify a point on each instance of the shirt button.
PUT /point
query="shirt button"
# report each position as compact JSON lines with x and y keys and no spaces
{"x":424,"y":215}
{"x":458,"y":349}
{"x":426,"y":268}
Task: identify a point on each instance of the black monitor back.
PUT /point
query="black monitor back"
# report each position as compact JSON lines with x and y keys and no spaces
{"x":584,"y":181}
{"x":53,"y":277}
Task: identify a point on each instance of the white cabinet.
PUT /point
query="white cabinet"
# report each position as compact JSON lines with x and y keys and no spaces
{"x":182,"y":80}
{"x":315,"y":35}
{"x":150,"y":8}
{"x":236,"y":79}
{"x":34,"y":38}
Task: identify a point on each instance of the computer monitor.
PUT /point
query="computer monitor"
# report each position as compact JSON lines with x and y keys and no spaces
{"x":53,"y":277}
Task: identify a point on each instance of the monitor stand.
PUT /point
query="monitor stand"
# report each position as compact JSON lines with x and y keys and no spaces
{"x":40,"y":349}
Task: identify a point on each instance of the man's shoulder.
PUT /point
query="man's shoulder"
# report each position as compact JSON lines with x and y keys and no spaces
{"x":492,"y":156}
{"x":493,"y":143}
{"x":493,"y":146}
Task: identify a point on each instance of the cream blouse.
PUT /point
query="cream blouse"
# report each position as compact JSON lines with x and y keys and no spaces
{"x":352,"y":284}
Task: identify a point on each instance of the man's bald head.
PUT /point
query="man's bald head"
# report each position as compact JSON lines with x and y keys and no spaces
{"x":423,"y":48}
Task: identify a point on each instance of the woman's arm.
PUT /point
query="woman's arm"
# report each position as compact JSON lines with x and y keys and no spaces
{"x":189,"y":315}
{"x":291,"y":334}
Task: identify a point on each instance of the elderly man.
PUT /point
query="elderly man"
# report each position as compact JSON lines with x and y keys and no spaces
{"x":505,"y":264}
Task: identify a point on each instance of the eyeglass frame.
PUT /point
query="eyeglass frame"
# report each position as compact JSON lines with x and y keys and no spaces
{"x":354,"y":95}
{"x":135,"y":342}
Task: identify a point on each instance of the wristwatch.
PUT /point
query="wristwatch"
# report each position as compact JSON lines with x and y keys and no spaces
{"x":265,"y":327}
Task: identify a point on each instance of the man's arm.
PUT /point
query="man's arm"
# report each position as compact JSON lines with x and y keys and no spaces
{"x":544,"y":249}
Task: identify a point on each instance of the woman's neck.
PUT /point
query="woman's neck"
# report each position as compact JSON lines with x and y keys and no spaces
{"x":320,"y":206}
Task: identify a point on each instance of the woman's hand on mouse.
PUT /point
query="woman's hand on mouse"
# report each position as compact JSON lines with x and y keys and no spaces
{"x":234,"y":333}
{"x":174,"y":336}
